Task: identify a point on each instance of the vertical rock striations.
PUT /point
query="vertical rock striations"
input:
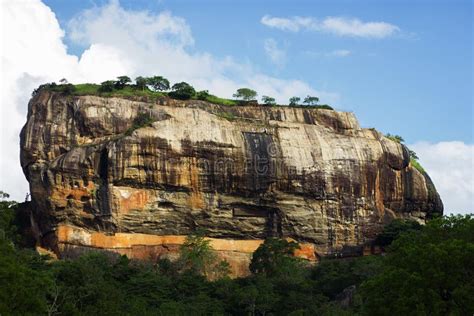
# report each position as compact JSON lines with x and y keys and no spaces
{"x":100,"y":179}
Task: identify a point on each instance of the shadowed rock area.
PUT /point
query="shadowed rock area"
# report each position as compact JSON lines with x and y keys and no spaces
{"x":242,"y":173}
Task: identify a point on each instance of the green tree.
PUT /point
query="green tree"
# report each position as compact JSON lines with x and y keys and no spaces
{"x":121,"y":82}
{"x":294,"y":101}
{"x":395,"y":138}
{"x":8,"y":210}
{"x":427,"y":272}
{"x":310,"y":100}
{"x":67,"y":89}
{"x":268,"y":100}
{"x":159,"y":83}
{"x":26,"y":286}
{"x":107,"y":86}
{"x":413,"y":154}
{"x":198,"y":256}
{"x":393,"y":230}
{"x":245,"y":94}
{"x":202,"y":95}
{"x":182,"y":91}
{"x":332,"y":276}
{"x":141,"y":83}
{"x":275,"y":256}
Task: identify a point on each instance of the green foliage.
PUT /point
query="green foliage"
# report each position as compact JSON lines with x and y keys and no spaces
{"x":141,"y":120}
{"x":427,"y":272}
{"x":64,"y":88}
{"x":8,"y":227}
{"x":26,"y":283}
{"x":182,"y":91}
{"x":311,"y":100}
{"x":128,"y":91}
{"x":294,"y":101}
{"x":158,"y":83}
{"x":121,"y":88}
{"x":393,"y":230}
{"x":213,"y":99}
{"x":227,"y":115}
{"x":275,"y":257}
{"x":141,"y":83}
{"x":417,"y":165}
{"x":245,"y":94}
{"x":197,"y":256}
{"x":86,"y":89}
{"x":413,"y":154}
{"x":332,"y":276}
{"x":395,"y":138}
{"x":67,"y":89}
{"x":202,"y":95}
{"x":324,"y":107}
{"x":107,"y":86}
{"x":268,"y":100}
{"x":121,"y":82}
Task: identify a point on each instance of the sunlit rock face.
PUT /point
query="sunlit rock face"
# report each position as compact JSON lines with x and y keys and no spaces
{"x":242,"y":173}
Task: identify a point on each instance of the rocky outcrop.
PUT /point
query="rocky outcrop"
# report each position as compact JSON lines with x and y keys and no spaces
{"x":103,"y":177}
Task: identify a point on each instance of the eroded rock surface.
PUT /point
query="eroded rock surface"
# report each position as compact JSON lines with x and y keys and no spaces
{"x":242,"y":173}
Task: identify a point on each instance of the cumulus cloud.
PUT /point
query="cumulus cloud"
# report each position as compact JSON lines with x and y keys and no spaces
{"x":116,"y":42}
{"x":32,"y":53}
{"x":451,"y":167}
{"x":276,"y":54}
{"x":341,"y":26}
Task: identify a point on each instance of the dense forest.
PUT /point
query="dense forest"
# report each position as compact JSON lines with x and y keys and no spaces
{"x":424,"y":270}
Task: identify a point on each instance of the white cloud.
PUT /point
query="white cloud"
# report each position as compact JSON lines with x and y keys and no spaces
{"x":32,"y":52}
{"x":294,"y":24}
{"x":341,"y":26}
{"x":357,"y":28}
{"x":116,"y":42}
{"x":276,"y":54}
{"x":451,"y":167}
{"x":334,"y":53}
{"x":340,"y":53}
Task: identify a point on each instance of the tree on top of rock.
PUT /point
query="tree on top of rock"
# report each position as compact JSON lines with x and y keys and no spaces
{"x":182,"y":91}
{"x":268,"y":100}
{"x":275,"y":257}
{"x":107,"y":86}
{"x":245,"y":94}
{"x":141,"y":82}
{"x":122,"y":82}
{"x":294,"y":101}
{"x":311,"y":100}
{"x":159,"y":83}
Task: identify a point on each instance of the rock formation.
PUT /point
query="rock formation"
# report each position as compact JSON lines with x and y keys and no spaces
{"x":136,"y":177}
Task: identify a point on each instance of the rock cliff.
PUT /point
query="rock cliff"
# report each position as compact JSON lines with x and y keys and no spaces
{"x":136,"y":177}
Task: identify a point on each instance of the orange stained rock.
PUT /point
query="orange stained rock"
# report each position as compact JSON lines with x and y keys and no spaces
{"x":67,"y":234}
{"x":136,"y":201}
{"x":238,"y":253}
{"x":196,"y":199}
{"x":379,"y":195}
{"x":61,"y":194}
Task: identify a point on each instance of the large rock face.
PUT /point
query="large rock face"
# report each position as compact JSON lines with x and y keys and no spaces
{"x":100,"y":180}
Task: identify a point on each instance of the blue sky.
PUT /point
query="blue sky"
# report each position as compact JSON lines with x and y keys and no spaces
{"x":416,"y":83}
{"x":403,"y":67}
